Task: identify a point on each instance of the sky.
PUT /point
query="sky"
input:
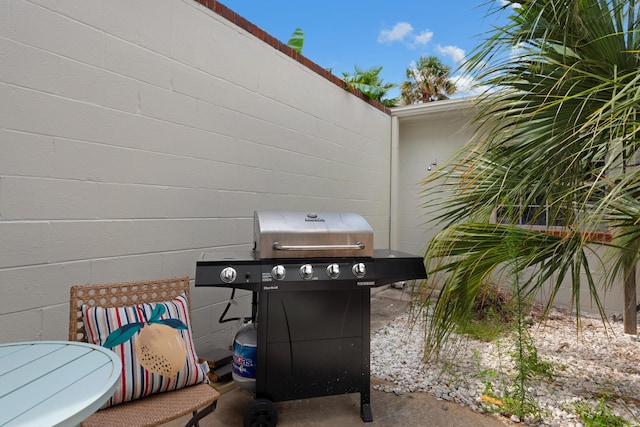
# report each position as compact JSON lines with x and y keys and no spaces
{"x":340,"y":35}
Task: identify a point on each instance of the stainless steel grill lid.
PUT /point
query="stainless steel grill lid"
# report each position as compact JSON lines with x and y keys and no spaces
{"x":308,"y":234}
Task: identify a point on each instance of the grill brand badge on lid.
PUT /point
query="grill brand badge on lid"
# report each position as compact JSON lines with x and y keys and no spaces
{"x":313,"y":217}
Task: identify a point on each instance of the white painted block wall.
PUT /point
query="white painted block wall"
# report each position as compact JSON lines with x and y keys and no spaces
{"x":136,"y":135}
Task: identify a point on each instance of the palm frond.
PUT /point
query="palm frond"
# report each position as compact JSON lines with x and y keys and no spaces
{"x":556,"y":143}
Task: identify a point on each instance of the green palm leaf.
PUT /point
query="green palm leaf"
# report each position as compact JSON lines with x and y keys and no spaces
{"x":296,"y":41}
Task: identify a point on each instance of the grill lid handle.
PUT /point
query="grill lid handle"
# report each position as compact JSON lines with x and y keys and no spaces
{"x":278,"y":247}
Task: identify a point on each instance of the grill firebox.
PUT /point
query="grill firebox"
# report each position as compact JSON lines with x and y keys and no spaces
{"x":311,"y":276}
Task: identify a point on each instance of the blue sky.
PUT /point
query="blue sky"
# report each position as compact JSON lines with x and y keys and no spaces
{"x":391,"y":34}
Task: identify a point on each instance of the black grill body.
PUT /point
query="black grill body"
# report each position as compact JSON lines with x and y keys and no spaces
{"x":314,"y":345}
{"x":313,"y":314}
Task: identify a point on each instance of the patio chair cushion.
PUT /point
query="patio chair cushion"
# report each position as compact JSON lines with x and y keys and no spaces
{"x":154,"y":343}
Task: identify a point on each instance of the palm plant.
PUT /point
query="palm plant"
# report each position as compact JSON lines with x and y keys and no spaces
{"x":370,"y":84}
{"x":552,"y":162}
{"x":428,"y":81}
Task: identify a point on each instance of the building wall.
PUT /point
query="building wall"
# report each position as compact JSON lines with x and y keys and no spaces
{"x":136,"y":135}
{"x":428,"y":133}
{"x":435,"y":133}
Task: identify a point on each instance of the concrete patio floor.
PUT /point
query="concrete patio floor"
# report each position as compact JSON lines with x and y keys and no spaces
{"x":406,"y":410}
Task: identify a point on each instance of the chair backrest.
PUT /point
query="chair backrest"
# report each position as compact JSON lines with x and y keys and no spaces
{"x":119,"y":295}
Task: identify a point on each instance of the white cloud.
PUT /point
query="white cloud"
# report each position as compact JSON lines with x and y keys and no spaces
{"x":403,"y":32}
{"x":467,"y":86}
{"x":424,"y":37}
{"x":513,"y":4}
{"x":517,"y":51}
{"x":397,"y":33}
{"x":453,"y":52}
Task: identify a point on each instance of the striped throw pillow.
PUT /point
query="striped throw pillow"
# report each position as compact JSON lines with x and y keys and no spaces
{"x":153,"y":342}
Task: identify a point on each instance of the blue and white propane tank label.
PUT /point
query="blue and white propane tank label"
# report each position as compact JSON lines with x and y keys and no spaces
{"x":244,"y":360}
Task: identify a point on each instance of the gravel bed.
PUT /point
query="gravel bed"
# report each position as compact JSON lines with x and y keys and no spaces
{"x":586,"y":365}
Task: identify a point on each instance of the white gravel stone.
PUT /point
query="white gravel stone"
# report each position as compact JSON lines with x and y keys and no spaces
{"x":597,"y":360}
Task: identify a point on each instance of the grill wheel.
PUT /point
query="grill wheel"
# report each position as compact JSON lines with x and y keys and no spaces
{"x":261,"y":413}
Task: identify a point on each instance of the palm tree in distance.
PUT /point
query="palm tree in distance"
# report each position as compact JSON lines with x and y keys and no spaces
{"x":366,"y":81}
{"x":554,"y":162}
{"x":370,"y":84}
{"x":428,"y":81}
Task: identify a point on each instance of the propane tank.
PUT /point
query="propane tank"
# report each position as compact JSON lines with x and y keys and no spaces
{"x":245,"y":357}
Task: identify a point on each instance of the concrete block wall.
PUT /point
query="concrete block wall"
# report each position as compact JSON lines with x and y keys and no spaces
{"x":136,"y":135}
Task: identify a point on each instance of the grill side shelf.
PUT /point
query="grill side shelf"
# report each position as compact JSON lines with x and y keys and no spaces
{"x":208,"y":273}
{"x":395,"y":266}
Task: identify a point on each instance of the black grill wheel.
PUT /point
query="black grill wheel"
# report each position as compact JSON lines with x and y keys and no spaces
{"x":261,"y":413}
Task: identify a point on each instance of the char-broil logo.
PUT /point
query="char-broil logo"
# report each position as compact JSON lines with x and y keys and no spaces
{"x":313,"y":217}
{"x":367,"y":283}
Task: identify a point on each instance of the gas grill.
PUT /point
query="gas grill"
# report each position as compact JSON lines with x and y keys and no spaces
{"x":311,"y":276}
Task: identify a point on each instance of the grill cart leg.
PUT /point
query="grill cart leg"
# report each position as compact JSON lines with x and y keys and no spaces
{"x":365,"y":390}
{"x":365,"y":410}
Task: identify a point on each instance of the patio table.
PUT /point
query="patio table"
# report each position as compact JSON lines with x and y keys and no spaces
{"x":54,"y":383}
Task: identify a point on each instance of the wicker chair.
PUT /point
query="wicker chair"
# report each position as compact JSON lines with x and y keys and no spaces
{"x":199,"y":400}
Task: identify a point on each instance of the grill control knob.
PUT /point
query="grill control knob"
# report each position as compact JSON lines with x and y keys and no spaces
{"x":333,"y":271}
{"x":278,"y":272}
{"x":306,"y":271}
{"x":228,"y":275}
{"x":359,"y":270}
